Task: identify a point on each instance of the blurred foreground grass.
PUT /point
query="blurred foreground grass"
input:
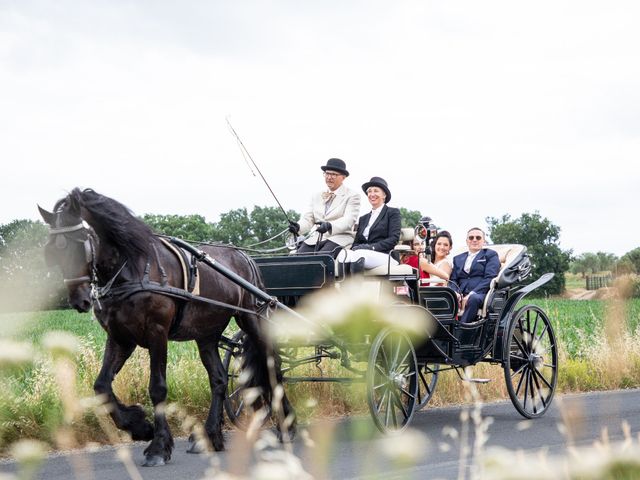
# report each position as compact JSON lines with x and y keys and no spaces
{"x":599,"y":349}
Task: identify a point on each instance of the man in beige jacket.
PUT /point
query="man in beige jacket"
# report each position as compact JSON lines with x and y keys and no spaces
{"x":334,"y":211}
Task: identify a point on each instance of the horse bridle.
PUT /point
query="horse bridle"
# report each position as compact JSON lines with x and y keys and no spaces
{"x":61,"y":240}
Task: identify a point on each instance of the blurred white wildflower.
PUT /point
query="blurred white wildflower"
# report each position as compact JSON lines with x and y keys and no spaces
{"x":61,"y":344}
{"x":250,"y":395}
{"x":306,"y":438}
{"x":450,"y":432}
{"x":279,"y":465}
{"x":524,"y":425}
{"x":354,"y":307}
{"x":267,"y":440}
{"x":444,"y":447}
{"x":91,"y":403}
{"x":406,"y":448}
{"x":311,"y":402}
{"x":123,"y":454}
{"x":29,"y":452}
{"x":14,"y":354}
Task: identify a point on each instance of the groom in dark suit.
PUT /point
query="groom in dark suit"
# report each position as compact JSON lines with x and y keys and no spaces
{"x":472,"y":274}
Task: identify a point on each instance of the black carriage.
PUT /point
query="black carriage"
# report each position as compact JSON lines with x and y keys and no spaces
{"x":401,"y":376}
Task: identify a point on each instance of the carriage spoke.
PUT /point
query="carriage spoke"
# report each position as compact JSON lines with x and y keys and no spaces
{"x":539,"y":338}
{"x":239,"y":409}
{"x":426,"y":384}
{"x":535,"y":328}
{"x":520,"y":381}
{"x":400,"y":405}
{"x":525,"y":376}
{"x":541,"y":376}
{"x":532,"y":392}
{"x":402,"y":364}
{"x":539,"y":389}
{"x":520,"y":346}
{"x":519,"y":370}
{"x":379,"y":407}
{"x":387,"y":411}
{"x":396,"y":354}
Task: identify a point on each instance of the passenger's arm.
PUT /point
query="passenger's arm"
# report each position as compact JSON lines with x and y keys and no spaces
{"x":443,"y":272}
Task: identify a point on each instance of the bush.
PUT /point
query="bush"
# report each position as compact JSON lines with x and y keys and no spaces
{"x":627,"y":286}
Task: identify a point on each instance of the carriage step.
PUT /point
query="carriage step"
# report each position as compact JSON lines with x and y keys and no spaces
{"x":477,"y":380}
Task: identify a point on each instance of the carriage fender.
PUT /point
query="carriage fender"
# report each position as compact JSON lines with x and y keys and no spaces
{"x":507,"y":313}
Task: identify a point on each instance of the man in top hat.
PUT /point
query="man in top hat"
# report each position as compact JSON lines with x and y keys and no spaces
{"x":334,"y":211}
{"x":378,"y":231}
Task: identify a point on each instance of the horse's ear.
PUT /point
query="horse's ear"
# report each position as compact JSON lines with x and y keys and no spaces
{"x":74,"y":204}
{"x":48,"y":217}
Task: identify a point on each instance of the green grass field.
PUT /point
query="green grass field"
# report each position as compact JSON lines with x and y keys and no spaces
{"x":594,"y":355}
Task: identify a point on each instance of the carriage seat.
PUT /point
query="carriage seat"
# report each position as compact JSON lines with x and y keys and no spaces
{"x":406,"y":235}
{"x":514,"y":266}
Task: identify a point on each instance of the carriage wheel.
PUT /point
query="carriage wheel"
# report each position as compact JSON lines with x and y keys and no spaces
{"x":531,"y":361}
{"x":391,"y":380}
{"x":233,"y":401}
{"x":427,"y":380}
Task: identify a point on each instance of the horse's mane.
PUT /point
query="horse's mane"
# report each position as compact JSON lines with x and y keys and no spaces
{"x":115,"y":223}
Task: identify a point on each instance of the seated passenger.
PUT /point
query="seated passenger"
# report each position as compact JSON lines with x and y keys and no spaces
{"x":438,"y":264}
{"x":378,"y":231}
{"x":472,"y":274}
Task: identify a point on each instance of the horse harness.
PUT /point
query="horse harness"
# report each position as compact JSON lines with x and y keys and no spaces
{"x":188,"y":263}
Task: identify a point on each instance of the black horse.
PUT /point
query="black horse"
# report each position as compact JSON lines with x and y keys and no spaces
{"x":133,"y":281}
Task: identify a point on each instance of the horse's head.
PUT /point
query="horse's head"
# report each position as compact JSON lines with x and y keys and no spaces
{"x":71,"y":247}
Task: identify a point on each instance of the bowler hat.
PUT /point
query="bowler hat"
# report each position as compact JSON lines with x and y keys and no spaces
{"x":336,"y":165}
{"x":380,"y":183}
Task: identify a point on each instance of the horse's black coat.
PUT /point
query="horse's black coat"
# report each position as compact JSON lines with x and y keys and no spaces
{"x":122,"y":243}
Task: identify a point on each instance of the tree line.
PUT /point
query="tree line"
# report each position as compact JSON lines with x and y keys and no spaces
{"x":26,"y":282}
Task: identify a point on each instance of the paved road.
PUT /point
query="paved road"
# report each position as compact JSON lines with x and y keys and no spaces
{"x":354,"y":450}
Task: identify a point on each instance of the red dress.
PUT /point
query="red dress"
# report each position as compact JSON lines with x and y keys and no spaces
{"x":413,"y":262}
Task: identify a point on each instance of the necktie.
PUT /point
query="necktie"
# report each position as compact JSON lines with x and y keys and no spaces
{"x":328,"y":196}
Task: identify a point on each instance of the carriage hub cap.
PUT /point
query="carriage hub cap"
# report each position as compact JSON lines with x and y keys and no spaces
{"x":535,"y":360}
{"x":399,"y":380}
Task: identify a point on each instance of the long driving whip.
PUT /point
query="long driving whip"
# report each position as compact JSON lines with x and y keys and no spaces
{"x":247,"y":155}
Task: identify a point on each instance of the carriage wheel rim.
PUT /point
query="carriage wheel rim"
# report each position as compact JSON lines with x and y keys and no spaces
{"x":391,"y":381}
{"x":531,"y":362}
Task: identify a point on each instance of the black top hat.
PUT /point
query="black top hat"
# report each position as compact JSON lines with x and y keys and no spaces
{"x":378,"y":182}
{"x":336,"y":165}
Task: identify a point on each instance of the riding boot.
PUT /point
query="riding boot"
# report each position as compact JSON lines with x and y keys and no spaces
{"x":357,"y":266}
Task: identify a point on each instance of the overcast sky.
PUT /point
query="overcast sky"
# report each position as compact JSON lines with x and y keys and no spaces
{"x":469,"y":109}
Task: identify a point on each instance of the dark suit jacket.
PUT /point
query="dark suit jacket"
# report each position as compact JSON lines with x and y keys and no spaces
{"x":484,"y":268}
{"x":383,"y":234}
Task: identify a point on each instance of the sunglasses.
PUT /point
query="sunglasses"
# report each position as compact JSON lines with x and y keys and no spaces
{"x":332,"y":174}
{"x":474,"y":237}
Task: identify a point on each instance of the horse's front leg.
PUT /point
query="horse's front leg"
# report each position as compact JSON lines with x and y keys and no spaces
{"x":159,"y":450}
{"x":210,"y":357}
{"x":128,"y":418}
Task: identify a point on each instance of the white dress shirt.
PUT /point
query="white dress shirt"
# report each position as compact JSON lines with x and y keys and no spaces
{"x":469,"y":261}
{"x":375,"y":213}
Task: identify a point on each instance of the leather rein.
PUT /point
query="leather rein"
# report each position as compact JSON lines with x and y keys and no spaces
{"x":126,"y":289}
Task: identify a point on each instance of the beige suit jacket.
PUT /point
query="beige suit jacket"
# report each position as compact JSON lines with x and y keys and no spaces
{"x":342,"y":214}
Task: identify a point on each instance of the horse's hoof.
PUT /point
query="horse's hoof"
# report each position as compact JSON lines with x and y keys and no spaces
{"x":153,"y":461}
